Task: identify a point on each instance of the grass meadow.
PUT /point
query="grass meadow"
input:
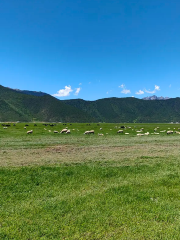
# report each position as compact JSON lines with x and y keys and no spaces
{"x":76,"y":186}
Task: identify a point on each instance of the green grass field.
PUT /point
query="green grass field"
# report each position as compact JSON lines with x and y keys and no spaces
{"x":76,"y":186}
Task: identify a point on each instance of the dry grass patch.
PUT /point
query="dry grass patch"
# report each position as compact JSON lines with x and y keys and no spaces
{"x":145,"y":152}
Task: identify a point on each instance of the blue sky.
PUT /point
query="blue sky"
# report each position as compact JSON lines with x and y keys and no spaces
{"x":91,"y":49}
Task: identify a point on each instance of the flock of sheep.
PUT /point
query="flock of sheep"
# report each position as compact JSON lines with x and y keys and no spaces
{"x":122,"y":129}
{"x":138,"y":132}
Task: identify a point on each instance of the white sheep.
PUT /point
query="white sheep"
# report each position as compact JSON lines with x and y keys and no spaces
{"x":64,"y":130}
{"x":169,"y":132}
{"x":89,"y":132}
{"x":29,"y":132}
{"x":120,"y":131}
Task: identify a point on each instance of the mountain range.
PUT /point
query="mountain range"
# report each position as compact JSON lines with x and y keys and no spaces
{"x":18,"y":105}
{"x":154,"y":97}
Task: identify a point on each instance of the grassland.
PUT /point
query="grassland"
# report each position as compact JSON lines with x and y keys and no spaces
{"x":116,"y":186}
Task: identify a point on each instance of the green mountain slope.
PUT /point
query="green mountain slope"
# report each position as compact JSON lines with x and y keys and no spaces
{"x":16,"y":106}
{"x":130,"y":109}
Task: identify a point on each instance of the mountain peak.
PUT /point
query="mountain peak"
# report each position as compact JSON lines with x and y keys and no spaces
{"x":154,"y":97}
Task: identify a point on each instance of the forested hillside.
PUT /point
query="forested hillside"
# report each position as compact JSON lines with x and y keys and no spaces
{"x":17,"y":106}
{"x":130,"y":109}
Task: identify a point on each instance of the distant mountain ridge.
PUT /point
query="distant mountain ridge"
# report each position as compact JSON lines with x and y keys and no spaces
{"x":130,"y":109}
{"x":154,"y":97}
{"x":18,"y":106}
{"x":34,"y":93}
{"x":39,"y":94}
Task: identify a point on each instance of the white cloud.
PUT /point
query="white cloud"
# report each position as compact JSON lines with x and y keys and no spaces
{"x":140,"y":92}
{"x":63,"y":92}
{"x":156,"y":88}
{"x":77,"y":91}
{"x":125,"y":91}
{"x":150,"y":91}
{"x":107,"y":92}
{"x":80,"y":83}
{"x":122,"y":86}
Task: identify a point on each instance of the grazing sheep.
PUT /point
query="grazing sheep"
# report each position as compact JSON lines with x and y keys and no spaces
{"x":29,"y":132}
{"x":169,"y":132}
{"x":100,"y":128}
{"x":147,"y":133}
{"x":100,"y":134}
{"x":24,"y":127}
{"x":68,"y":131}
{"x":5,"y":127}
{"x":127,"y":133}
{"x":120,"y":131}
{"x":63,"y":130}
{"x":140,"y":134}
{"x":89,"y":132}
